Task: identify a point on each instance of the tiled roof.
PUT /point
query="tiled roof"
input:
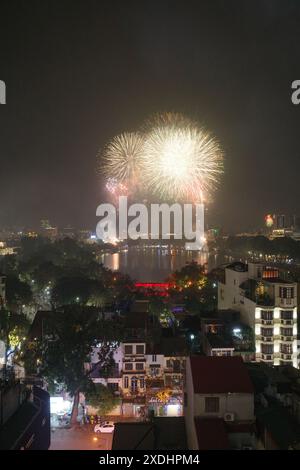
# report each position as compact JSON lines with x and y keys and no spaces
{"x":220,"y":375}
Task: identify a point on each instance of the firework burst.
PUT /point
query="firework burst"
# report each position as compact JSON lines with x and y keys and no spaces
{"x":181,"y":161}
{"x":121,"y":158}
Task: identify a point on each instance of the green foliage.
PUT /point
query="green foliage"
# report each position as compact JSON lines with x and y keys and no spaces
{"x":102,"y":398}
{"x":13,"y":329}
{"x":191,"y":287}
{"x":66,"y":347}
{"x":18,"y":292}
{"x":79,"y":290}
{"x":9,"y":265}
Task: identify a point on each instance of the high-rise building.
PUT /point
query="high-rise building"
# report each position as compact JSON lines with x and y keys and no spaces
{"x":268,"y":304}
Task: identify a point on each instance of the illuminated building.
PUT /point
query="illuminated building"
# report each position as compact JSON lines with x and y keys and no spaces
{"x":281,"y":225}
{"x":6,"y":250}
{"x":147,"y":377}
{"x":268,"y":304}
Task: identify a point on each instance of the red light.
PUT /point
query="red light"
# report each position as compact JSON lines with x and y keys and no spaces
{"x":153,"y":285}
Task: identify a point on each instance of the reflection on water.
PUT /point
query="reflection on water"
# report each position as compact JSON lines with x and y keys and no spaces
{"x":156,"y":264}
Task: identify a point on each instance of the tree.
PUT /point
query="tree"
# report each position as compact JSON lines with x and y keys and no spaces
{"x":193,"y":288}
{"x":102,"y":398}
{"x":18,"y":293}
{"x":63,"y":355}
{"x":9,"y":265}
{"x":79,"y":290}
{"x":13,"y":331}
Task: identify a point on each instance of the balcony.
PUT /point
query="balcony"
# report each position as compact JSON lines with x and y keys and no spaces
{"x":286,"y":322}
{"x":267,"y":357}
{"x":267,"y":322}
{"x":287,"y":302}
{"x":139,"y":357}
{"x":286,"y":357}
{"x":287,"y":339}
{"x":133,"y":371}
{"x":265,"y":339}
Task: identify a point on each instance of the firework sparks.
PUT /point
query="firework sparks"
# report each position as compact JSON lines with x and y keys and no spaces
{"x":167,"y":119}
{"x":113,"y":186}
{"x":181,"y":161}
{"x":121,"y":157}
{"x":172,"y":157}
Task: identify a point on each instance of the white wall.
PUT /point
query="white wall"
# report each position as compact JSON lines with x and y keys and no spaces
{"x":241,"y":404}
{"x":159,"y":361}
{"x":247,"y":309}
{"x":229,"y":293}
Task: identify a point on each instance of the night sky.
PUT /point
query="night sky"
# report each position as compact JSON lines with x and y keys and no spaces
{"x":79,"y":72}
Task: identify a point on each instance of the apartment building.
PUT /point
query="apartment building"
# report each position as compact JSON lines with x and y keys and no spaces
{"x":268,"y":304}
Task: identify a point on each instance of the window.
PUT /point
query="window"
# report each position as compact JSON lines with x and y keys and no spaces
{"x":125,"y":382}
{"x":154,"y":358}
{"x":286,"y":292}
{"x":134,"y":384}
{"x":267,"y":331}
{"x":286,"y":348}
{"x":169,"y":364}
{"x":154,"y":371}
{"x":212,"y":404}
{"x":267,"y":314}
{"x":142,"y":382}
{"x":114,"y":387}
{"x":128,"y":349}
{"x":140,"y":349}
{"x":139,"y":366}
{"x":128,"y":366}
{"x":287,"y":314}
{"x":267,"y":348}
{"x":286,"y":331}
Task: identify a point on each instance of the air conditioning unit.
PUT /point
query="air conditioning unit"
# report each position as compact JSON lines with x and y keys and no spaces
{"x":229,"y":417}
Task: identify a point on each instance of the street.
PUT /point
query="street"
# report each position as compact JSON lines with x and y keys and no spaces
{"x":81,"y":438}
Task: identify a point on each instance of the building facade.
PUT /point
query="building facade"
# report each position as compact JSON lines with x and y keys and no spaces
{"x":219,"y":404}
{"x":146,"y":379}
{"x":268,"y":304}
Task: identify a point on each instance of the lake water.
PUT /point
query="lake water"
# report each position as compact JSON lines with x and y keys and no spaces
{"x":156,"y":264}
